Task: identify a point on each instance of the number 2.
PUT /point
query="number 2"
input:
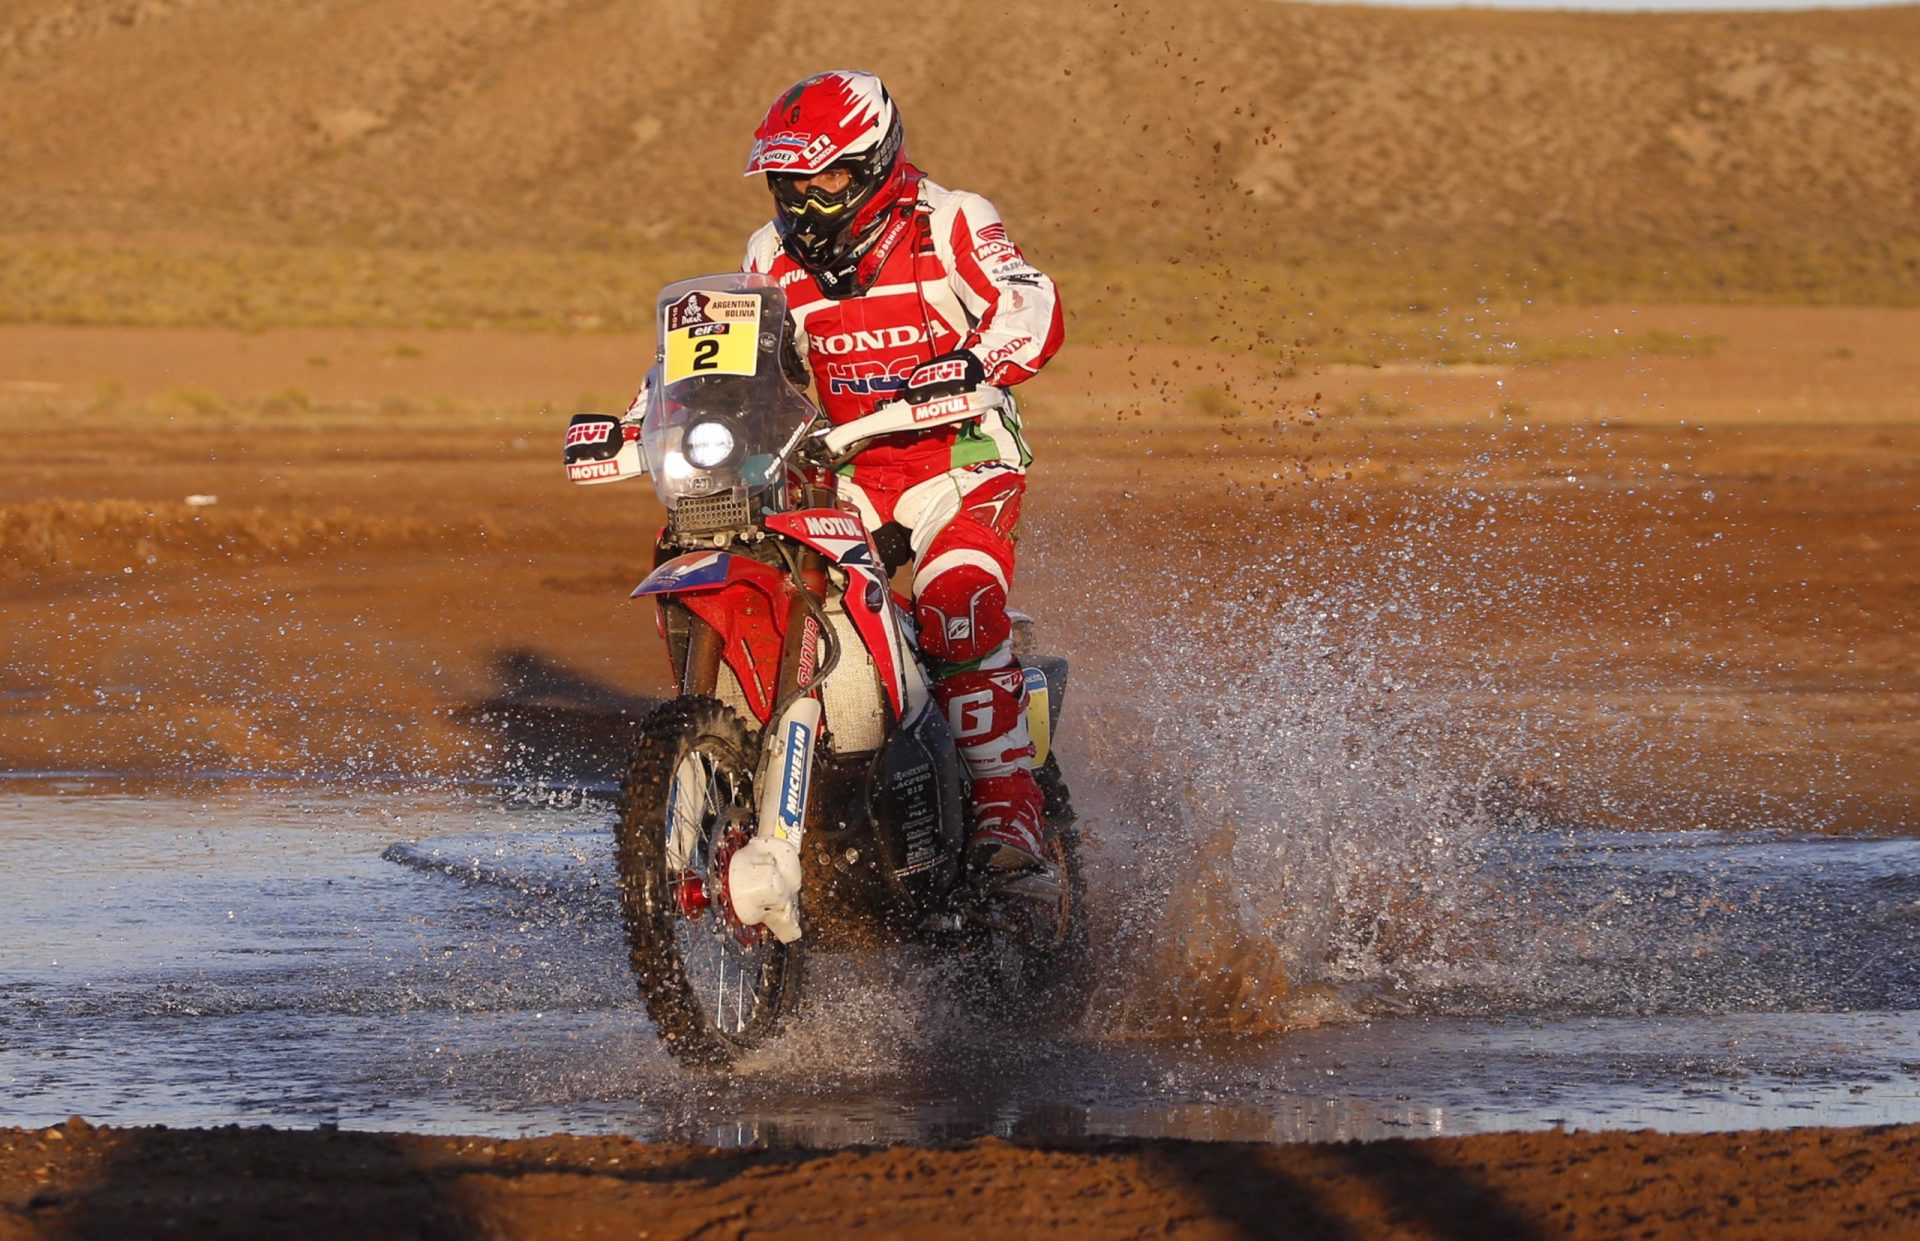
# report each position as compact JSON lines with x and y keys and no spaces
{"x":706,"y":354}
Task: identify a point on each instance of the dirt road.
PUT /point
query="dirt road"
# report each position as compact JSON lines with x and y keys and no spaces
{"x":1632,"y":590}
{"x":76,"y":1180}
{"x":1690,"y":578}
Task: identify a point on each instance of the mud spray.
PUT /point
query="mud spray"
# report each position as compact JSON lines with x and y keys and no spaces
{"x":1320,"y":785}
{"x":1320,"y":780}
{"x":1281,"y":815}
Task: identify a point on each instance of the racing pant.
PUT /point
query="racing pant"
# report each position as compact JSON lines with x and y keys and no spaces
{"x":960,"y":526}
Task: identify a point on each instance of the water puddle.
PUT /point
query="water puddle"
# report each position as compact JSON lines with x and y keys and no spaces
{"x":450,"y":961}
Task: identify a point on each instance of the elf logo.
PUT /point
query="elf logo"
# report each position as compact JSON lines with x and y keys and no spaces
{"x":793,"y":780}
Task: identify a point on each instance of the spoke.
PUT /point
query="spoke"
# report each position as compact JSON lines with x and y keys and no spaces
{"x":710,"y":951}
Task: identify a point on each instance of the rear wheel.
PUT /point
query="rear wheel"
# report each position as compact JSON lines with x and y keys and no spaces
{"x":715,"y":989}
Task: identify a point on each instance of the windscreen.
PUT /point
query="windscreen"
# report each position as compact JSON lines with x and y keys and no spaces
{"x":720,"y":407}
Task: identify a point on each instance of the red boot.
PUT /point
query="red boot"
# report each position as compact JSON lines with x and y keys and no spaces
{"x":987,"y":711}
{"x":1006,"y":822}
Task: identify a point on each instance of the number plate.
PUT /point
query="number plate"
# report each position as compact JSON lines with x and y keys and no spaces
{"x":712,"y":334}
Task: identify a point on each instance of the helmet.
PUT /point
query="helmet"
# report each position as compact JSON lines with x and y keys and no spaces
{"x":841,"y":119}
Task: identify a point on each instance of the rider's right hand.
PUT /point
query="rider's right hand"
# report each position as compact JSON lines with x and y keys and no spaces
{"x":950,"y":374}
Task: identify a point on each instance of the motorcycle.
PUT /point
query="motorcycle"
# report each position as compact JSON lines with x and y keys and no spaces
{"x":802,"y":789}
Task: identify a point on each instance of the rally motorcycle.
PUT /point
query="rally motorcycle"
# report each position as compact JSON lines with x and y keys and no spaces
{"x":803,"y":787}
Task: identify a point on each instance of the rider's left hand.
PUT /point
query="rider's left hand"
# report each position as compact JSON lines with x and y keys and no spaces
{"x":950,"y":374}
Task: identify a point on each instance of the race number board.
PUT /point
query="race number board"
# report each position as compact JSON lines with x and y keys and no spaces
{"x":712,"y":334}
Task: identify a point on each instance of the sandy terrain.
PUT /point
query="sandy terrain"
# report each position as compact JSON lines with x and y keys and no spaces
{"x":1711,"y":138}
{"x":76,"y":1180}
{"x":394,"y":553}
{"x":1663,"y":575}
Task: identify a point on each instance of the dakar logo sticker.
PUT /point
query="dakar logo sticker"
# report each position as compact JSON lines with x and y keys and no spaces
{"x":699,"y":309}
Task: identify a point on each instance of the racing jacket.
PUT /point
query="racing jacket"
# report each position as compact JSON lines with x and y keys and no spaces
{"x":952,"y":281}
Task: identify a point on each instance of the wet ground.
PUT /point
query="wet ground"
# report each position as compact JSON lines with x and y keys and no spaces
{"x":449,"y":961}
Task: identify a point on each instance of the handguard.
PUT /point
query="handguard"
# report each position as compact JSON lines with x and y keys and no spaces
{"x":599,"y":450}
{"x":892,"y":419}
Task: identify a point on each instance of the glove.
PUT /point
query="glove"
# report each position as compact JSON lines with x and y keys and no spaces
{"x":950,"y":374}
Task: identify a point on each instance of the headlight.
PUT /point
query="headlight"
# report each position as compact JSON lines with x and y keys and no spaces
{"x":675,"y":467}
{"x":709,"y":444}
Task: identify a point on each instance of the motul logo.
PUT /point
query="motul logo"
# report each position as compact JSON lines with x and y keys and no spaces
{"x":593,"y":469}
{"x":866,"y":342}
{"x":940,"y":408}
{"x":834,"y":528}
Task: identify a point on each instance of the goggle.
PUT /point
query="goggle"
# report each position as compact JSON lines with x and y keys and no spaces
{"x":813,"y":200}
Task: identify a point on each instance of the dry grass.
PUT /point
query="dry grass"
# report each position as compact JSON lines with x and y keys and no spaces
{"x":206,"y":284}
{"x":1434,"y":306}
{"x":1356,"y":309}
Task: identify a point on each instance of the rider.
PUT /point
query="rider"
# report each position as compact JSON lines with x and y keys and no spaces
{"x":901,"y":289}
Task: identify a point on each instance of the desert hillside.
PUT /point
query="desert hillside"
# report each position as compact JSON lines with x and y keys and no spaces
{"x":1785,"y":147}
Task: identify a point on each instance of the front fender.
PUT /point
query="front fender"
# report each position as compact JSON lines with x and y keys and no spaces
{"x":693,"y":571}
{"x":743,"y":601}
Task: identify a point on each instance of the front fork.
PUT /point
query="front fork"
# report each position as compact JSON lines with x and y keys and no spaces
{"x":764,"y":876}
{"x":786,"y":755}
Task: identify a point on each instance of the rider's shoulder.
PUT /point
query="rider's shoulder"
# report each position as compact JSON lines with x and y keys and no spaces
{"x":943,"y":201}
{"x":957,"y":213}
{"x":763,"y":249}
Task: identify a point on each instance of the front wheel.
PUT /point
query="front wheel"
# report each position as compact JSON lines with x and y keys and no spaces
{"x":714,"y":988}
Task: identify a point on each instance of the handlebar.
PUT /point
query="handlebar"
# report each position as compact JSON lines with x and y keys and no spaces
{"x":842,"y":441}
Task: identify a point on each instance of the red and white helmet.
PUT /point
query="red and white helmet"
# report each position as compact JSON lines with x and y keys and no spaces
{"x":840,"y":119}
